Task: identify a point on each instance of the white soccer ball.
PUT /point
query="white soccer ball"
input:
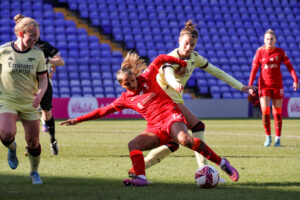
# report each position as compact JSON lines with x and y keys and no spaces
{"x":207,"y":177}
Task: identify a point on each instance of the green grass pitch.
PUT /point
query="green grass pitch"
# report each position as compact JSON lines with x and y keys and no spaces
{"x":93,"y":160}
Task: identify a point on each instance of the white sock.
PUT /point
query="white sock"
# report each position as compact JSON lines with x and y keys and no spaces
{"x":34,"y":162}
{"x":156,"y":155}
{"x":142,"y":176}
{"x":277,"y":137}
{"x":222,"y":162}
{"x":11,"y":146}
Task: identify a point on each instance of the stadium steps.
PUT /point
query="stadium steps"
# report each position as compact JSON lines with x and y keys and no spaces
{"x":90,"y":30}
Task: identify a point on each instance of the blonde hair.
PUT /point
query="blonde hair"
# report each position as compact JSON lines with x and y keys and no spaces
{"x":190,"y":28}
{"x":270,"y":31}
{"x":24,"y":23}
{"x":132,"y":64}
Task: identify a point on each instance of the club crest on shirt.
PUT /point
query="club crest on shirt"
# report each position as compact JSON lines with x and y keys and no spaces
{"x":146,"y":86}
{"x":31,"y":59}
{"x":140,"y":106}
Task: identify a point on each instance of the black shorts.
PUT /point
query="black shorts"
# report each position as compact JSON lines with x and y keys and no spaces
{"x":46,"y":103}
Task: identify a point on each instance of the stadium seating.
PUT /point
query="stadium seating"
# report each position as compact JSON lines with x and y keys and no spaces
{"x":230,"y":33}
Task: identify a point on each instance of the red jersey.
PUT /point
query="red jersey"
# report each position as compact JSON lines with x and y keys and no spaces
{"x":269,"y":62}
{"x":149,"y":99}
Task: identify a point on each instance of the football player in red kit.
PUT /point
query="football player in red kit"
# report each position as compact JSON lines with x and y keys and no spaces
{"x":269,"y":58}
{"x":165,"y":120}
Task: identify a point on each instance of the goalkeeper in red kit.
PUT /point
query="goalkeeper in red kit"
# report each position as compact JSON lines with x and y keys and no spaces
{"x":165,"y":120}
{"x":270,"y":87}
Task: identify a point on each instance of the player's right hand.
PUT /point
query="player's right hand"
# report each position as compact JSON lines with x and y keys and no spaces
{"x":179,"y":88}
{"x":69,"y":122}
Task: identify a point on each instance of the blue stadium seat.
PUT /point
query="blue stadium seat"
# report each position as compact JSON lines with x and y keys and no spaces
{"x":227,"y":95}
{"x":237,"y":95}
{"x":87,"y":91}
{"x":75,"y":83}
{"x":76,"y":91}
{"x":98,"y":90}
{"x":97,"y":83}
{"x":86,"y":83}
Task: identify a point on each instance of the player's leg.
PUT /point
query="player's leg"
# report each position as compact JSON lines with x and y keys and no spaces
{"x":179,"y":133}
{"x":8,"y":131}
{"x":158,"y":154}
{"x":46,"y":105}
{"x":32,"y":128}
{"x":197,"y":127}
{"x":142,"y":142}
{"x":265,"y":110}
{"x":50,"y":123}
{"x":276,"y":109}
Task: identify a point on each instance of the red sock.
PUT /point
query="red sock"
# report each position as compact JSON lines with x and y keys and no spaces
{"x":205,"y":151}
{"x":266,"y":119}
{"x":138,"y":162}
{"x":278,"y":121}
{"x":266,"y":123}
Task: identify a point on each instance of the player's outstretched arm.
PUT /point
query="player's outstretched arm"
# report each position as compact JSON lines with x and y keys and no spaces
{"x":69,"y":122}
{"x":161,"y":59}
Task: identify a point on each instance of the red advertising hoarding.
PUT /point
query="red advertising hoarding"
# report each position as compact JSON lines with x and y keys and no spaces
{"x":64,"y":108}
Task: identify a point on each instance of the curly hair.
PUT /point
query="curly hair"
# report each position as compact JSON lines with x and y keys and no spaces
{"x":132,"y":64}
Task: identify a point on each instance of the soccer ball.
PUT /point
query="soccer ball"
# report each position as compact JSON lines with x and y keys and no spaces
{"x":207,"y":177}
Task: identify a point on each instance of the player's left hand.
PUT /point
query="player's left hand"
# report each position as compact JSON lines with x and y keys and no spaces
{"x":247,"y":88}
{"x":295,"y":86}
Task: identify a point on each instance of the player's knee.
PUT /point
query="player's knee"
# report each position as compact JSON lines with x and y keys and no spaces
{"x":33,"y":143}
{"x":34,"y":151}
{"x":132,"y":145}
{"x":7,"y":135}
{"x":185,"y":140}
{"x":7,"y":139}
{"x":200,"y":126}
{"x":173,"y":146}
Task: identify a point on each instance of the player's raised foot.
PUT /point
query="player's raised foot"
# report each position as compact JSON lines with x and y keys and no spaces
{"x":277,"y":143}
{"x":231,"y":171}
{"x":45,"y":128}
{"x":131,"y":173}
{"x":268,"y":141}
{"x":136,"y":182}
{"x":54,"y":148}
{"x":35,"y":178}
{"x":12,"y":158}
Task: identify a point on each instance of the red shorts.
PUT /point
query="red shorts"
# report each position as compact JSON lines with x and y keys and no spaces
{"x":163,"y":129}
{"x":274,"y":93}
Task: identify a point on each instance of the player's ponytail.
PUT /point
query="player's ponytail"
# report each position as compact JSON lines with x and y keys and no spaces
{"x":18,"y":18}
{"x":189,"y":28}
